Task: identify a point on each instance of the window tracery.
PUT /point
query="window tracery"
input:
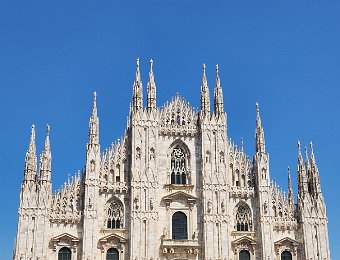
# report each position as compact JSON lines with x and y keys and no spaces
{"x":114,"y":214}
{"x":178,"y":166}
{"x":243,"y":218}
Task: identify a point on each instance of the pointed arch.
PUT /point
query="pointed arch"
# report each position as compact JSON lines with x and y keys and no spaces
{"x":114,"y":214}
{"x":243,"y":217}
{"x":179,"y":154}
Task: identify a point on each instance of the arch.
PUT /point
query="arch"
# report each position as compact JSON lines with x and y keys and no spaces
{"x":64,"y":254}
{"x":286,"y":255}
{"x":112,"y":254}
{"x":243,"y":217}
{"x":244,"y":255}
{"x":114,"y":214}
{"x":179,"y":226}
{"x":179,"y":162}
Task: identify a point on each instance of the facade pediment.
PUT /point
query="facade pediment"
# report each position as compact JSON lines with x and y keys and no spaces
{"x":65,"y":236}
{"x":113,"y":236}
{"x":244,"y":239}
{"x":179,"y":195}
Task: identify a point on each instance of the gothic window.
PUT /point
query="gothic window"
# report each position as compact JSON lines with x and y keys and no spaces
{"x":286,"y":255}
{"x":244,"y":255}
{"x":114,"y":215}
{"x":112,"y":254}
{"x":243,"y":218}
{"x":178,"y":166}
{"x":179,"y":226}
{"x":64,"y":254}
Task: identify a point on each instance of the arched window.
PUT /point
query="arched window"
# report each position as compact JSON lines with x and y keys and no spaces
{"x":286,"y":255}
{"x":114,"y":215}
{"x":244,"y":255}
{"x":178,"y":166}
{"x":243,"y":218}
{"x":179,"y":226}
{"x":64,"y":254}
{"x":112,"y":254}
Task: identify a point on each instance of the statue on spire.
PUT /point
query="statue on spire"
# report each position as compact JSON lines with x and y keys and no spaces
{"x":31,"y":158}
{"x":151,"y":88}
{"x":94,"y":123}
{"x":205,"y":96}
{"x":46,"y":159}
{"x":137,"y":99}
{"x":290,"y":190}
{"x":218,"y":95}
{"x":259,"y":133}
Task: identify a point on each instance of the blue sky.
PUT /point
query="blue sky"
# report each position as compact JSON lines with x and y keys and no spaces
{"x":54,"y":54}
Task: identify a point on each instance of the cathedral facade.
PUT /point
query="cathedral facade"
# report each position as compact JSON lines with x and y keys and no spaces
{"x":174,"y":187}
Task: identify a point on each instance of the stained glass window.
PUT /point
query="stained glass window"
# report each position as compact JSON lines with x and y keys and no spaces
{"x":114,"y":215}
{"x":178,"y":166}
{"x":243,"y":218}
{"x":179,"y":226}
{"x":112,"y":254}
{"x":64,"y":254}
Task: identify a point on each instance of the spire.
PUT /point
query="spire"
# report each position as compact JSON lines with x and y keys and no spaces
{"x":314,"y":172}
{"x":218,"y":95}
{"x":31,"y":159}
{"x":45,"y":159}
{"x":205,"y":96}
{"x":151,"y":88}
{"x":137,"y":99}
{"x":302,"y":176}
{"x":94,"y":123}
{"x":259,"y":132}
{"x":290,"y":189}
{"x":300,"y":159}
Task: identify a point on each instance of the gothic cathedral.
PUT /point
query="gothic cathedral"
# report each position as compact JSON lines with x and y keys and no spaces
{"x":174,"y":187}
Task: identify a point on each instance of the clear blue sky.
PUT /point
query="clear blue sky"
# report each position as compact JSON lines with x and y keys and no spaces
{"x":54,"y":54}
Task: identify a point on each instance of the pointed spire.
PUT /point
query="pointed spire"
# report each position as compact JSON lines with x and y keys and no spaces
{"x":314,"y":172}
{"x":290,"y":189}
{"x":205,"y":96}
{"x":302,"y":175}
{"x":151,"y":88}
{"x":31,"y":159}
{"x":94,"y":123}
{"x":300,"y":159}
{"x":242,"y":148}
{"x":218,"y":95}
{"x":137,"y":99}
{"x":259,"y":132}
{"x":45,"y":159}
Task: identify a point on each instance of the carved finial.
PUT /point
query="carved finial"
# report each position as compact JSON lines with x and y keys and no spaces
{"x":299,"y":146}
{"x":311,"y":147}
{"x":48,"y":128}
{"x":151,"y":64}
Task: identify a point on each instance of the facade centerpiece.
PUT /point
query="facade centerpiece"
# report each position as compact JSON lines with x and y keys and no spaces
{"x":174,"y":187}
